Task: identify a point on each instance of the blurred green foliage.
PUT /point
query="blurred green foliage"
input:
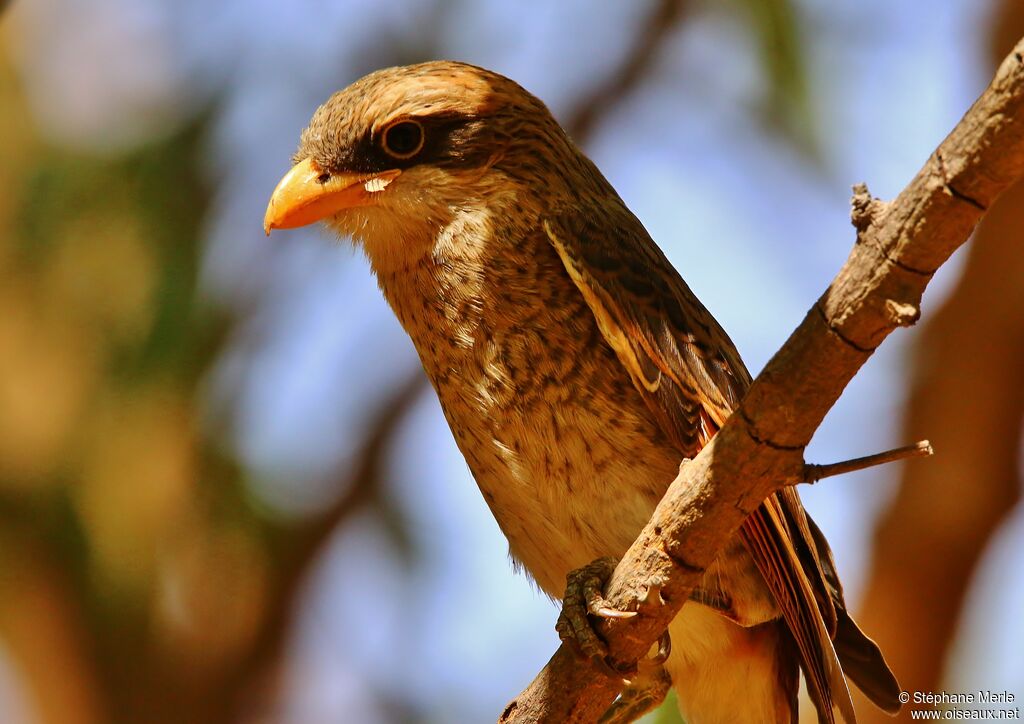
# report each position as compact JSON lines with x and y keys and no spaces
{"x":781,"y":46}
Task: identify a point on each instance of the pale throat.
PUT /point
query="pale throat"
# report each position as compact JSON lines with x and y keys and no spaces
{"x":436,"y":254}
{"x":432,"y":271}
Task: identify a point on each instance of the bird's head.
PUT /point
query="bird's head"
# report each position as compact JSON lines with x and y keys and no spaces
{"x":409,"y":159}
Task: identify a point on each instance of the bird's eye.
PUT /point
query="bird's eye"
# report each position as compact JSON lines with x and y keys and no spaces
{"x":403,"y":139}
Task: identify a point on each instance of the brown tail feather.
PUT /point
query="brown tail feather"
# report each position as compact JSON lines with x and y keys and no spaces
{"x":860,"y":657}
{"x":766,"y":537}
{"x":863,"y":663}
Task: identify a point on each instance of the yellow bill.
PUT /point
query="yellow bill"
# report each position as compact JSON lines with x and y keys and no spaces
{"x":308,"y":194}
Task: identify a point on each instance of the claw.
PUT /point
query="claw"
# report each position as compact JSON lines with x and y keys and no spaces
{"x":590,"y":580}
{"x":584,"y":596}
{"x":643,"y":694}
{"x":664,"y":648}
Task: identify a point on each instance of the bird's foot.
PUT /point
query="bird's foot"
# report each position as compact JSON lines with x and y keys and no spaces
{"x":642,"y":694}
{"x":584,"y":597}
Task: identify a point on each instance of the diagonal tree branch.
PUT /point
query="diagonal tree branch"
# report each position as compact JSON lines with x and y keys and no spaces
{"x":760,"y":448}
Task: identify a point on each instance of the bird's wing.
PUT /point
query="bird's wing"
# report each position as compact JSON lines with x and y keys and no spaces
{"x":692,"y":378}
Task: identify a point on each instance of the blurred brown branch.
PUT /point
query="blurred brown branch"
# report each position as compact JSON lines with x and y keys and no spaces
{"x":641,"y":56}
{"x":302,"y":542}
{"x":966,"y":391}
{"x":965,"y":388}
{"x":899,"y":246}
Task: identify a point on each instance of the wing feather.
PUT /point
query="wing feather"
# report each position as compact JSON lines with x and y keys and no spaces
{"x":691,"y":377}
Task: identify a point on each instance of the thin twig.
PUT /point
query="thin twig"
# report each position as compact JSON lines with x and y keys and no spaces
{"x":814,"y":473}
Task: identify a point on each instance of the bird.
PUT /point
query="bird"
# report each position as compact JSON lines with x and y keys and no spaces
{"x":575,"y":368}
